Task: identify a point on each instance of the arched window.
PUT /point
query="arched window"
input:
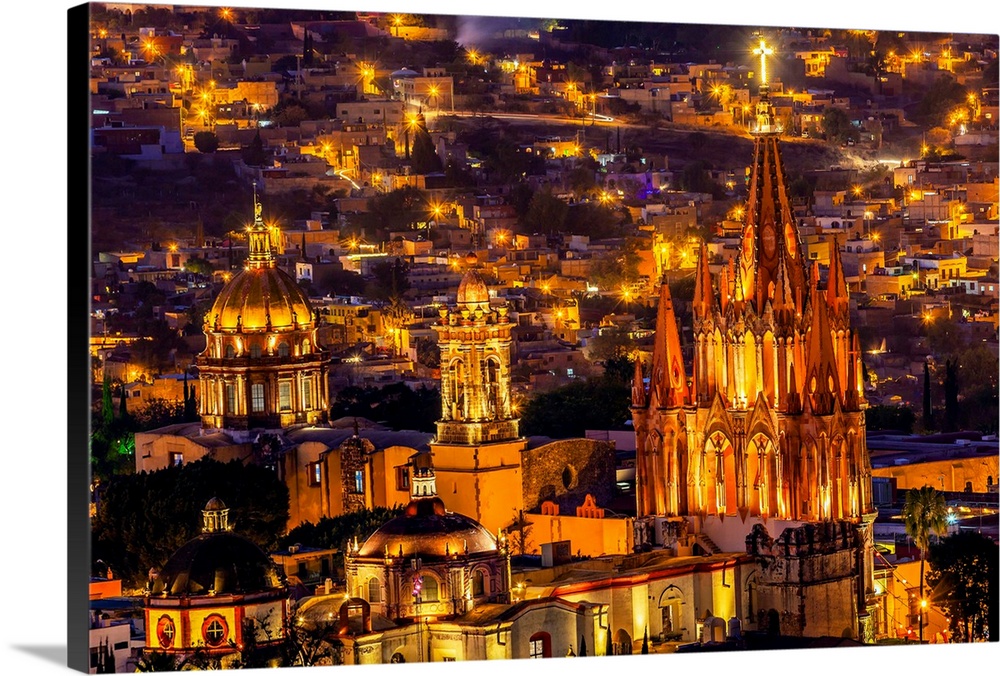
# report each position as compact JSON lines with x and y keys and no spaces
{"x":540,"y":645}
{"x":374,"y":591}
{"x":283,"y":350}
{"x":230,"y":352}
{"x":255,"y":351}
{"x":306,"y":346}
{"x":478,"y":583}
{"x":429,"y":590}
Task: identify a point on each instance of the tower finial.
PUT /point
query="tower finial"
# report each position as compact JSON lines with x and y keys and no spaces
{"x":260,"y":237}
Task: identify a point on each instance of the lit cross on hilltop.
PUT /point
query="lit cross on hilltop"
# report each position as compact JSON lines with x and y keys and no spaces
{"x":764,"y":51}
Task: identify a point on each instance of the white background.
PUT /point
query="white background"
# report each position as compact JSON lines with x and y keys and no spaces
{"x":33,"y":249}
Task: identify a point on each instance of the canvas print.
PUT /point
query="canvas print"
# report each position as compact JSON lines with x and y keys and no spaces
{"x":429,"y":338}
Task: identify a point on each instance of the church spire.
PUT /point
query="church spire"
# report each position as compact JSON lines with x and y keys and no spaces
{"x":638,"y":386}
{"x":703,"y":298}
{"x":668,"y":383}
{"x":725,"y":294}
{"x":769,"y":231}
{"x":822,"y":379}
{"x":854,"y":394}
{"x":836,"y":284}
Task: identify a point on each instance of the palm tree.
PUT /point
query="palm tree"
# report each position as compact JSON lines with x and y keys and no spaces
{"x":924,"y":513}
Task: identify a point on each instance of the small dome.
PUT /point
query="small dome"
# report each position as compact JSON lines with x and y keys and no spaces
{"x":428,"y":532}
{"x":219,"y":562}
{"x":257,"y":297}
{"x":473,"y":289}
{"x":215,"y":505}
{"x":404,"y":72}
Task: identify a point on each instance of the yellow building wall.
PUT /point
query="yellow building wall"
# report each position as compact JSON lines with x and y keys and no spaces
{"x":947,"y":475}
{"x":153,"y":616}
{"x":152,"y":451}
{"x":385,"y":492}
{"x":482,"y":482}
{"x":588,"y":537}
{"x":307,"y":502}
{"x":196,"y":618}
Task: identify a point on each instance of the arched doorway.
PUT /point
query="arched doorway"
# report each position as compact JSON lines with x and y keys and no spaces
{"x":622,"y":643}
{"x":670,"y":604}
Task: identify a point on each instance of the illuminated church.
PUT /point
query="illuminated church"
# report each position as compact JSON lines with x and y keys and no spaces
{"x":761,"y":448}
{"x":264,"y":372}
{"x":262,"y":366}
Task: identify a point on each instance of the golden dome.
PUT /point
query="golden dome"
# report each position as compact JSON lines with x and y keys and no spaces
{"x":260,"y":299}
{"x":473,"y":289}
{"x":430,"y":534}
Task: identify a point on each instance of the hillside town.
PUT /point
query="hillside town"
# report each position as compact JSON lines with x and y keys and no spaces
{"x":408,"y":269}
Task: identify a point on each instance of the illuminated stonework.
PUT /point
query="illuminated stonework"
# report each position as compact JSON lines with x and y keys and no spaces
{"x":262,"y":366}
{"x":770,"y":428}
{"x":475,"y":341}
{"x":428,"y":562}
{"x":214,"y":592}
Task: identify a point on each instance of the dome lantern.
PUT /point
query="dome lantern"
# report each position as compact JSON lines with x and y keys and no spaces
{"x":259,"y":235}
{"x":215,"y":517}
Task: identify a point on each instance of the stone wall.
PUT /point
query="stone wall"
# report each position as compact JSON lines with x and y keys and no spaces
{"x":807,"y":579}
{"x":566,"y":471}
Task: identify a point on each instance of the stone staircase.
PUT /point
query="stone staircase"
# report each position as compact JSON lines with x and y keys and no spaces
{"x":707,"y":544}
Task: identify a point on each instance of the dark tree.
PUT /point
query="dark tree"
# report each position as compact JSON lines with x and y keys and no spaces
{"x":334,"y":533}
{"x":951,"y":415}
{"x":199,"y":266}
{"x":424,"y":157}
{"x":568,"y":411}
{"x":395,"y":405}
{"x":837,"y":127}
{"x":396,"y":210}
{"x":390,"y":280}
{"x":206,"y":142}
{"x":143,"y":518}
{"x":428,"y":353}
{"x":695,"y":178}
{"x":254,"y":154}
{"x":546,"y":212}
{"x":941,"y":98}
{"x":884,"y":417}
{"x":928,"y":409}
{"x":963,"y":580}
